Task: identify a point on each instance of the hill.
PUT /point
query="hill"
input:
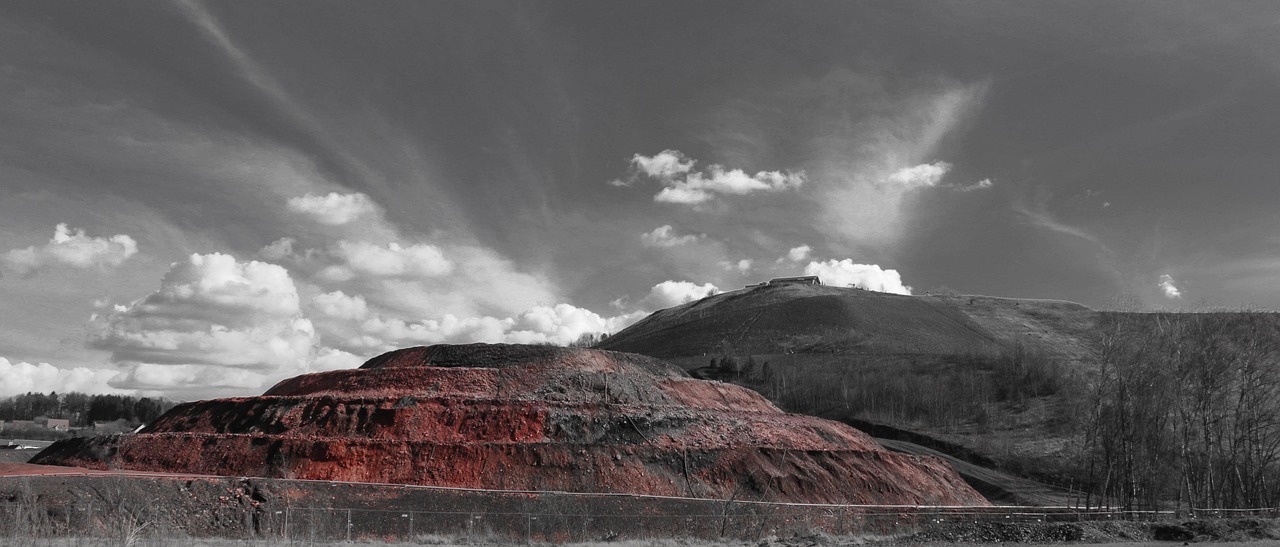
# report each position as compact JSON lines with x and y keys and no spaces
{"x":528,"y":418}
{"x":813,"y":319}
{"x":1045,"y":389}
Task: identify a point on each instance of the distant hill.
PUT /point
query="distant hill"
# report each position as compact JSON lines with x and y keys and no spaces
{"x":1045,"y":389}
{"x":809,"y":319}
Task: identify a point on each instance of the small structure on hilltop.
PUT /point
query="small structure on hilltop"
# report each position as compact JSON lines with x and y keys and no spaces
{"x":527,"y":418}
{"x":800,"y":280}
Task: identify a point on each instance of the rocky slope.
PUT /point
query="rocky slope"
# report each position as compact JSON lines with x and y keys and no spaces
{"x":526,"y":418}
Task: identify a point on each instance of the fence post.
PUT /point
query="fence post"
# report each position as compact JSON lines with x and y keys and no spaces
{"x":348,"y":525}
{"x":410,"y":525}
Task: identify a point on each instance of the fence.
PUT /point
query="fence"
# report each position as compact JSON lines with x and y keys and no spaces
{"x":544,"y":521}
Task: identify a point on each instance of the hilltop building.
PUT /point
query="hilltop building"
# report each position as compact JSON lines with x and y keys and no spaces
{"x":798,"y":280}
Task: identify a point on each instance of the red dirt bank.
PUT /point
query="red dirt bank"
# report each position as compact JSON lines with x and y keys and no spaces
{"x":526,"y":418}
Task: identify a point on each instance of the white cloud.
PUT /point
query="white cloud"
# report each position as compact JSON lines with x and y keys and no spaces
{"x":664,"y":164}
{"x":797,"y":254}
{"x":279,"y":249}
{"x":419,"y":260}
{"x":684,"y":185}
{"x":338,"y":305}
{"x":19,"y":378}
{"x":333,"y":209}
{"x":980,"y":185}
{"x":674,"y":293}
{"x":1168,"y":288}
{"x":70,"y":248}
{"x":214,"y":310}
{"x":665,"y":236}
{"x":743,"y":265}
{"x":925,"y":175}
{"x":683,"y":195}
{"x":564,"y":323}
{"x":844,"y":273}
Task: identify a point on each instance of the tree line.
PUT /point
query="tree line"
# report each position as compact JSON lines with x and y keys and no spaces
{"x":1185,"y":408}
{"x":83,"y":409}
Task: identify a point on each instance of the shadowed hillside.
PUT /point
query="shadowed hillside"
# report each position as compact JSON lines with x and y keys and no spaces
{"x":1046,"y":389}
{"x":809,"y":319}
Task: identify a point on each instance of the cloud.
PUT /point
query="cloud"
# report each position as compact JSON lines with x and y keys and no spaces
{"x":682,"y":184}
{"x":420,"y":260}
{"x":844,"y":273}
{"x":1168,"y":288}
{"x":558,"y":324}
{"x":665,"y":236}
{"x":664,"y":164}
{"x":797,"y":254}
{"x":213,"y":310}
{"x":19,"y":378}
{"x":563,"y":323}
{"x":980,"y":185}
{"x":70,"y":248}
{"x":925,"y":175}
{"x":333,"y":209}
{"x":279,"y":249}
{"x":742,"y":266}
{"x":1039,"y":215}
{"x":673,"y":293}
{"x":871,"y":140}
{"x":339,"y":305}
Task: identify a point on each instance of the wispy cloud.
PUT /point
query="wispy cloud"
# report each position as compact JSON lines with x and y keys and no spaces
{"x":333,"y":209}
{"x":1168,"y":288}
{"x":666,"y":236}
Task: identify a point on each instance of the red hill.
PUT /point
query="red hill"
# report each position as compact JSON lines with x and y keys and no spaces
{"x":526,"y":418}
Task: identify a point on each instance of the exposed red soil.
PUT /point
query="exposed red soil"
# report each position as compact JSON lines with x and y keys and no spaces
{"x":526,"y":418}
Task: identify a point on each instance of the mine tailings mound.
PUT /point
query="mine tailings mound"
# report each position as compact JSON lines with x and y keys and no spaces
{"x":534,"y":418}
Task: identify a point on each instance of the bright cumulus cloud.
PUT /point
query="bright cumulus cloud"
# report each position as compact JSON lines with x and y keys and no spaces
{"x":674,"y":293}
{"x":683,"y":184}
{"x":924,"y":175}
{"x":845,"y":273}
{"x":70,"y":248}
{"x":19,"y":378}
{"x":666,"y":236}
{"x":333,"y":209}
{"x":1168,"y":288}
{"x":216,"y":312}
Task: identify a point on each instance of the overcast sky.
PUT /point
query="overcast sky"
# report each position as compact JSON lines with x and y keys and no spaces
{"x":201,"y":198}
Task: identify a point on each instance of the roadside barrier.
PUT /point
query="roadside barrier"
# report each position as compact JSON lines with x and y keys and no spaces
{"x":558,"y":518}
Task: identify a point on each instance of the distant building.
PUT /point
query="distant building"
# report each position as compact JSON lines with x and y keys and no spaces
{"x":20,"y":424}
{"x":801,"y":280}
{"x":57,"y":424}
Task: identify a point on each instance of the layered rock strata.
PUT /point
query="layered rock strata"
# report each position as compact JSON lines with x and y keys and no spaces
{"x":526,"y":418}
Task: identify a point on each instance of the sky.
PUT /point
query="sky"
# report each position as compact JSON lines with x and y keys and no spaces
{"x":201,"y":198}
